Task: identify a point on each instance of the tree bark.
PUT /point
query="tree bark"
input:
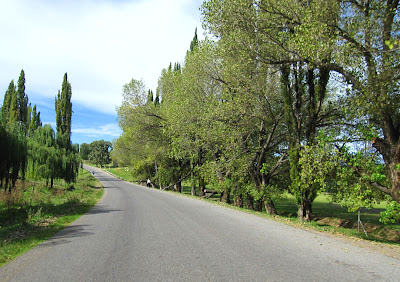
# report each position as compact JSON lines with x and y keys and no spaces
{"x":238,"y":201}
{"x":178,"y":187}
{"x":305,"y":211}
{"x":225,"y":197}
{"x":249,"y":202}
{"x":201,"y":187}
{"x":390,"y":150}
{"x":193,"y":192}
{"x":258,"y":205}
{"x":270,"y":207}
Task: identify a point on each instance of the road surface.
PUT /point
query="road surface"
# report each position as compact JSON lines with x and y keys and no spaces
{"x":141,"y":234}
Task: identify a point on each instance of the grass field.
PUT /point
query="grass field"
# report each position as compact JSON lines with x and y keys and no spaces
{"x":122,"y":172}
{"x":33,"y":213}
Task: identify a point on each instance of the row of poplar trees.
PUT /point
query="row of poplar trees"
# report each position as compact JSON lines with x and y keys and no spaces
{"x":30,"y":150}
{"x":284,"y":96}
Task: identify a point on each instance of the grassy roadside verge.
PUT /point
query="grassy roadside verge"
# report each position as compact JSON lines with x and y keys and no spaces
{"x":33,"y":213}
{"x":122,"y":172}
{"x":328,"y":217}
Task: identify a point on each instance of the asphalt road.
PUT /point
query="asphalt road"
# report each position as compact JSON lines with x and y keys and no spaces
{"x":141,"y":234}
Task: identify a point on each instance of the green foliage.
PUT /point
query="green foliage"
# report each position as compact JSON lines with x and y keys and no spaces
{"x":63,"y":108}
{"x":13,"y":155}
{"x":100,"y":152}
{"x":392,"y":213}
{"x":355,"y":173}
{"x":68,"y":163}
{"x":35,"y":121}
{"x":44,"y":158}
{"x":195,"y":42}
{"x":84,"y":151}
{"x":32,"y":214}
{"x":285,"y":89}
{"x":8,"y":101}
{"x":143,"y":144}
{"x":22,"y":101}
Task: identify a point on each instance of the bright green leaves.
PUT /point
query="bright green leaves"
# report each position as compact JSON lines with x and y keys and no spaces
{"x":392,"y":43}
{"x":392,"y":213}
{"x":100,"y":152}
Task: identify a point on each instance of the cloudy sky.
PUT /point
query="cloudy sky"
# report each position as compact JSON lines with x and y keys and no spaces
{"x":101,"y":44}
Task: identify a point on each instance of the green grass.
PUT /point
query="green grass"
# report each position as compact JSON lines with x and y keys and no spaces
{"x":33,"y":213}
{"x":122,"y":172}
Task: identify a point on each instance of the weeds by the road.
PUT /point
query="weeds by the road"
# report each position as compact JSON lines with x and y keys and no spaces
{"x":32,"y":213}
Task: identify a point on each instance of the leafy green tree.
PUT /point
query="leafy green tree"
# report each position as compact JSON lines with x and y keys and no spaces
{"x":8,"y":96}
{"x":195,"y":42}
{"x":354,"y":39}
{"x":69,"y":164}
{"x":44,"y":156}
{"x":63,"y":108}
{"x":263,"y":33}
{"x":35,"y":121}
{"x":13,"y":112}
{"x":100,"y":152}
{"x":22,"y":100}
{"x":375,"y":81}
{"x":14,"y":155}
{"x":142,"y":144}
{"x":84,"y":151}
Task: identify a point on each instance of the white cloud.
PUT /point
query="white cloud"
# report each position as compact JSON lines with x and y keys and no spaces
{"x":108,"y":130}
{"x":101,"y":44}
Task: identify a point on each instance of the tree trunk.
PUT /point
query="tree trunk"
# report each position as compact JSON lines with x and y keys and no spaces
{"x":225,"y":197}
{"x":201,"y":187}
{"x":270,"y":207}
{"x":238,"y":202}
{"x":305,"y":211}
{"x":193,"y":192}
{"x":394,"y":173}
{"x":178,"y":187}
{"x":390,"y":151}
{"x":238,"y":198}
{"x":258,"y":205}
{"x":249,"y":202}
{"x":51,"y":183}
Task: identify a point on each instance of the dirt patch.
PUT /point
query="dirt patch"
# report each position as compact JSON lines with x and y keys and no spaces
{"x":335,"y":222}
{"x":376,"y":231}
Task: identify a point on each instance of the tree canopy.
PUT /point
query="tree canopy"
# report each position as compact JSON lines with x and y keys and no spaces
{"x":283,"y":96}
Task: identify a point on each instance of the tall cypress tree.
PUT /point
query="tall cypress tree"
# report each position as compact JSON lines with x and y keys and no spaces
{"x":13,"y":113}
{"x":195,"y":41}
{"x":22,"y":100}
{"x":63,"y":108}
{"x":34,"y":122}
{"x":69,"y":162}
{"x":5,"y":110}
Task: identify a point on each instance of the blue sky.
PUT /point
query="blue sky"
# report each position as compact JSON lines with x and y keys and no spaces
{"x":101,"y":44}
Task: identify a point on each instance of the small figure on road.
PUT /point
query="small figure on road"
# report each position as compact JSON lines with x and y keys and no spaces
{"x":148,"y":182}
{"x":93,"y":172}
